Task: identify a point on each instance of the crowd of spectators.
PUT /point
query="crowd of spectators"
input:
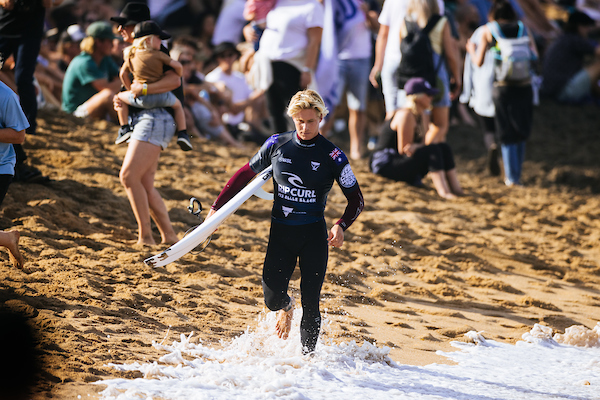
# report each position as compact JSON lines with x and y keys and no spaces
{"x":229,"y":95}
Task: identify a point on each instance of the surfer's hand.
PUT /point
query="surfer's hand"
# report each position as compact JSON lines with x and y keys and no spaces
{"x":336,"y":236}
{"x":211,"y":211}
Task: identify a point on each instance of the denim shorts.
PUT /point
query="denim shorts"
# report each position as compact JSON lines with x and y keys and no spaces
{"x":354,"y":77}
{"x":389,"y":85}
{"x":202,"y":117}
{"x":155,"y":126}
{"x":157,"y":100}
{"x":577,"y":89}
{"x":443,"y":83}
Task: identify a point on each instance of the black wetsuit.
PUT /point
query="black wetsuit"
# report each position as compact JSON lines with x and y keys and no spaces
{"x":303,"y":174}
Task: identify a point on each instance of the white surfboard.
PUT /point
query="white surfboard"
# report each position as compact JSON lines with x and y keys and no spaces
{"x":204,"y":230}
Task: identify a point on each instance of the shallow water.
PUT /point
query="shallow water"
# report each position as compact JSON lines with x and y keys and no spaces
{"x":258,"y":365}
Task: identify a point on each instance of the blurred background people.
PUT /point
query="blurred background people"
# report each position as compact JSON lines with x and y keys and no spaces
{"x":478,"y":83}
{"x":288,"y":54}
{"x":512,"y":94}
{"x":571,"y":68}
{"x":21,"y":33}
{"x":241,"y":100}
{"x":92,"y":78}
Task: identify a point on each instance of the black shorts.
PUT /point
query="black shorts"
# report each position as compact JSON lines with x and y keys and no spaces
{"x":5,"y":181}
{"x":488,"y":124}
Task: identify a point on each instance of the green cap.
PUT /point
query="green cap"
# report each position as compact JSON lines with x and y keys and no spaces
{"x":100,"y":30}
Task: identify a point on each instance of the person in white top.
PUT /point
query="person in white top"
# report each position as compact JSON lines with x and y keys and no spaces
{"x":233,"y":85}
{"x":387,"y":53}
{"x":290,"y":43}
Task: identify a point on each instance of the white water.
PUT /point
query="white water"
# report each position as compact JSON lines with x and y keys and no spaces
{"x":258,"y":365}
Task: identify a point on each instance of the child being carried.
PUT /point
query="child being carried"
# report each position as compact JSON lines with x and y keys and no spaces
{"x":145,"y":61}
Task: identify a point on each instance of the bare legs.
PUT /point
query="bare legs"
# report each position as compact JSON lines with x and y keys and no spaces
{"x":439,"y":125}
{"x":10,"y":240}
{"x":357,"y":121}
{"x":446,"y":183}
{"x":356,"y":128}
{"x":101,"y":104}
{"x":454,"y":183}
{"x":137,"y":176}
{"x":123,"y":112}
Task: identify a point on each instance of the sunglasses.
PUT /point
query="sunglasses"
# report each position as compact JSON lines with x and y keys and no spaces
{"x":185,"y":62}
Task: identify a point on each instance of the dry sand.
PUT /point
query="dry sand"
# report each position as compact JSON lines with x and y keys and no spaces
{"x":415,"y":272}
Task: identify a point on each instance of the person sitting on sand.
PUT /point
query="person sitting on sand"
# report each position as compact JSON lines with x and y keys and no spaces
{"x":12,"y":131}
{"x":403,"y":151}
{"x":145,"y":61}
{"x":92,"y":78}
{"x":305,"y":164}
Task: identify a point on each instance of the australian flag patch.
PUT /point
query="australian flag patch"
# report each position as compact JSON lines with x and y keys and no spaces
{"x":337,"y":155}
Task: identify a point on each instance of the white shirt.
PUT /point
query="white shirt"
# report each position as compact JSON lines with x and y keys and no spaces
{"x":355,"y":43}
{"x":240,"y":90}
{"x":478,"y":81}
{"x":285,"y":38}
{"x":230,"y":23}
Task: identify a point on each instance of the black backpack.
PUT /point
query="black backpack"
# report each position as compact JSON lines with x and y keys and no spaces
{"x":417,"y":53}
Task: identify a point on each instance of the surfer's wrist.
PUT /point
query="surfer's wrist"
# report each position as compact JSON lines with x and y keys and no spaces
{"x":342,"y":224}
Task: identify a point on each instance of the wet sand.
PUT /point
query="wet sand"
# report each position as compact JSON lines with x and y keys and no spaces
{"x":415,"y":273}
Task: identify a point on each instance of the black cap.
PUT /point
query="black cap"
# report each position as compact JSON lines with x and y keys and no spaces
{"x":149,"y":28}
{"x":132,"y":14}
{"x":579,"y":18}
{"x":225,"y":47}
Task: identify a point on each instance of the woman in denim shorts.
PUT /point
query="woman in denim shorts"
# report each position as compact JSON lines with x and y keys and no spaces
{"x":152,"y":131}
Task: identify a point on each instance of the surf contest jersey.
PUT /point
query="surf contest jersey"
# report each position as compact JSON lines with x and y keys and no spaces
{"x":303,"y":175}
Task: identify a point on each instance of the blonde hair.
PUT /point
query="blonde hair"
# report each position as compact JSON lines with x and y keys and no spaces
{"x":411,"y":102}
{"x":87,"y":45}
{"x":307,"y":100}
{"x":422,"y":9}
{"x":138,"y":44}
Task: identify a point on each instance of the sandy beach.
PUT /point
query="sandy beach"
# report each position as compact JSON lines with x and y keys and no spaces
{"x":415,"y":272}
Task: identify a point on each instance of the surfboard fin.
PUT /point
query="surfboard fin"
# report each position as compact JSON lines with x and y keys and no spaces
{"x":263,"y":194}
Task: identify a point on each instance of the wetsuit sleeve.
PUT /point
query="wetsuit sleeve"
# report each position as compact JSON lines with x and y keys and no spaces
{"x":258,"y":163}
{"x":234,"y":185}
{"x":356,"y":203}
{"x":262,"y":159}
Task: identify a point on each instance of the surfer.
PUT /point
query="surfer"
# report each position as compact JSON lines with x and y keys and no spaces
{"x":305,"y":165}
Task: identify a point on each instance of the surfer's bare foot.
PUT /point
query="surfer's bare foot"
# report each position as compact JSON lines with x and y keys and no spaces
{"x":284,"y":320}
{"x":12,"y":244}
